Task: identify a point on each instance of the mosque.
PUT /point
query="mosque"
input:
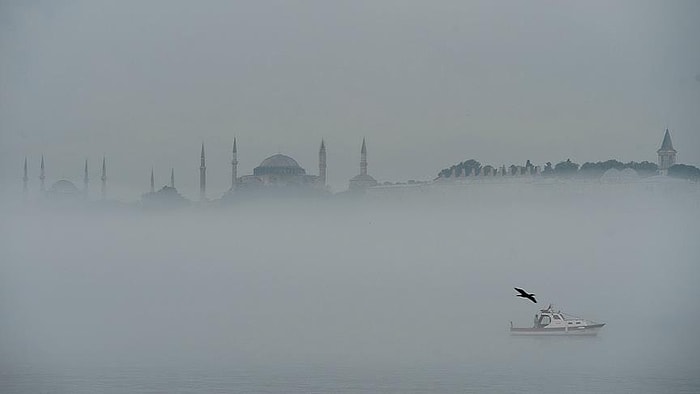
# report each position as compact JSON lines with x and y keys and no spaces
{"x":277,"y":175}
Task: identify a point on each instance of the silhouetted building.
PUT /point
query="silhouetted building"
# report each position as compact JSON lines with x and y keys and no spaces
{"x":667,"y":155}
{"x":64,"y":190}
{"x":363,"y":180}
{"x":278,"y":175}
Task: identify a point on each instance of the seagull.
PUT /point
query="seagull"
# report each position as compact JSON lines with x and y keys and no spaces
{"x":525,"y":294}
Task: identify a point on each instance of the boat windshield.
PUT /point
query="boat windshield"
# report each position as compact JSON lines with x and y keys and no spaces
{"x":544,"y":321}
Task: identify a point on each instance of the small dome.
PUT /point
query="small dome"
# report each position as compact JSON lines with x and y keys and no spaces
{"x":361,"y":182}
{"x":611,"y":175}
{"x":64,"y":187}
{"x":279,"y":160}
{"x":629,"y":174}
{"x":363,"y":178}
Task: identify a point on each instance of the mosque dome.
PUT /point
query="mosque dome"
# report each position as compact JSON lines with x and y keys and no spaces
{"x":279,"y":160}
{"x":280,"y":165}
{"x":64,"y":187}
{"x":362,"y":181}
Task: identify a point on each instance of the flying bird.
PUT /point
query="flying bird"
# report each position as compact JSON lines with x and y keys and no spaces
{"x":525,"y":294}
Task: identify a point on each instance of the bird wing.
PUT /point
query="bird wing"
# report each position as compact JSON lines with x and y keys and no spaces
{"x":521,"y":291}
{"x":532,"y":298}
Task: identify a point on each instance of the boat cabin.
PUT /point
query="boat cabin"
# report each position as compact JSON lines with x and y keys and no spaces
{"x":547,"y":318}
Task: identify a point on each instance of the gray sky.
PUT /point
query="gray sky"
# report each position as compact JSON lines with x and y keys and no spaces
{"x":429,"y":84}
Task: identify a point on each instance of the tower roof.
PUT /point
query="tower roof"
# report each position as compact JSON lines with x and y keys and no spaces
{"x":364,"y":147}
{"x":667,"y":145}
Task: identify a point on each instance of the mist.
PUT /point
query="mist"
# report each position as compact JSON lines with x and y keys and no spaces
{"x":145,"y":83}
{"x":303,"y":276}
{"x":415,"y":291}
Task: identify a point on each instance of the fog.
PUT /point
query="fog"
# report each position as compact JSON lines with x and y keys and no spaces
{"x":145,"y":83}
{"x":367,"y":288}
{"x":408,"y":287}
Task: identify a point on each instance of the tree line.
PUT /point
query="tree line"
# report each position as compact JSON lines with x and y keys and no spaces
{"x":570,"y":169}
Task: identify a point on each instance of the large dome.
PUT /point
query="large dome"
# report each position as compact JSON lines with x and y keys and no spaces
{"x":279,"y":161}
{"x":64,"y":187}
{"x":278,"y":165}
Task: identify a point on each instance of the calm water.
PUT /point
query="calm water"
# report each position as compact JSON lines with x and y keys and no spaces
{"x":410,"y":300}
{"x":613,"y":362}
{"x":303,"y":379}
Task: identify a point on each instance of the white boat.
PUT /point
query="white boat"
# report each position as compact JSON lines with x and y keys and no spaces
{"x":551,"y":322}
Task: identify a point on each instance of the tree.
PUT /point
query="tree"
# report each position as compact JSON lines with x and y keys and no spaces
{"x":548,"y":170}
{"x":566,"y":169}
{"x":684,"y":172}
{"x":644,"y":169}
{"x":530,"y":166}
{"x":596,"y":170}
{"x":464,"y":167}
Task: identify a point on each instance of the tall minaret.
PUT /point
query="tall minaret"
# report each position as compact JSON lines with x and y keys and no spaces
{"x":42,"y":176}
{"x":363,"y":159}
{"x":25,"y":179}
{"x":104,"y":178}
{"x":322,"y":164}
{"x":234,"y":165}
{"x":153,"y":182}
{"x":172,"y":178}
{"x":85,"y":181}
{"x":202,"y":177}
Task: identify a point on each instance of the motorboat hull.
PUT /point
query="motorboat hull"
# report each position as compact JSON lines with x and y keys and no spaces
{"x":557,"y":331}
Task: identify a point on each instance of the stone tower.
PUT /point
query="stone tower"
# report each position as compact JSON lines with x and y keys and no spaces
{"x":202,"y":177}
{"x":322,"y":164}
{"x":234,"y":165}
{"x":667,"y":155}
{"x":172,"y":178}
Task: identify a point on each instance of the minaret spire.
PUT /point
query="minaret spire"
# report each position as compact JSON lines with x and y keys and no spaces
{"x":172,"y":178}
{"x":104,"y":178}
{"x":202,"y":177}
{"x":85,"y":180}
{"x":322,"y":163}
{"x":153,"y":182}
{"x":25,"y":179}
{"x":42,"y":175}
{"x":234,"y":165}
{"x":363,"y":158}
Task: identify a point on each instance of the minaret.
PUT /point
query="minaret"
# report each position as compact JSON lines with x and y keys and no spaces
{"x":153,"y":182}
{"x":85,"y":181}
{"x":667,"y":155}
{"x":362,"y":181}
{"x":42,"y":175}
{"x":172,"y":178}
{"x":25,"y":179}
{"x":234,"y":165}
{"x":202,"y":177}
{"x":363,"y":159}
{"x":104,"y":178}
{"x":322,"y":163}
